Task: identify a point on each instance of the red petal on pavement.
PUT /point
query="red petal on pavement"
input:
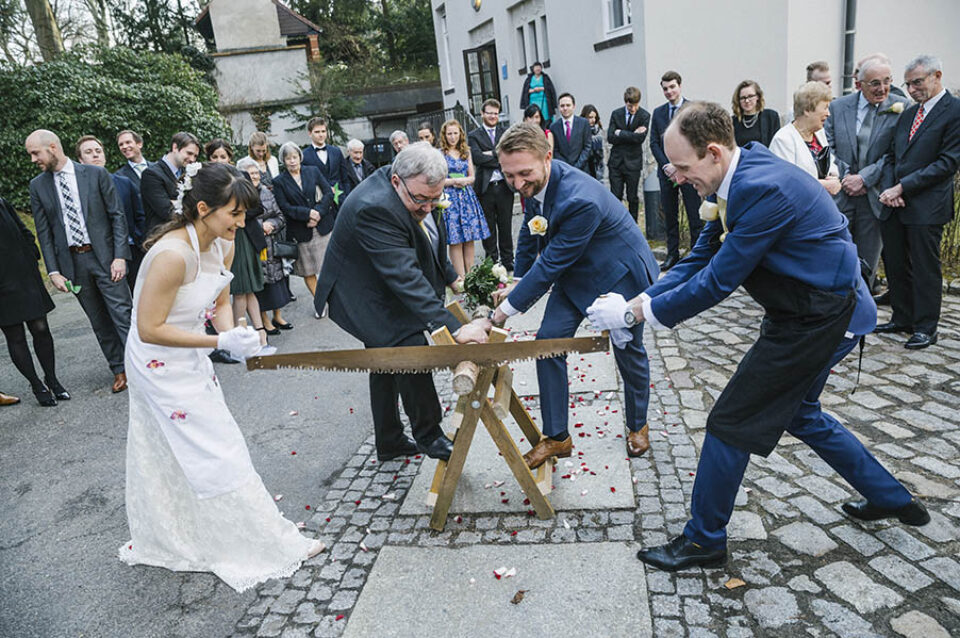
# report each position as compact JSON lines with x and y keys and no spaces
{"x":513,"y":533}
{"x":293,"y":454}
{"x":328,"y":519}
{"x":459,"y":519}
{"x":505,"y":500}
{"x":339,"y":616}
{"x":526,"y":501}
{"x":308,"y":507}
{"x":613,"y":489}
{"x":356,"y":502}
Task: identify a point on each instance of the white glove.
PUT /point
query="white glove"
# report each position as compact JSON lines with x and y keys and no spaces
{"x":240,"y":342}
{"x":620,"y":337}
{"x":607,"y":312}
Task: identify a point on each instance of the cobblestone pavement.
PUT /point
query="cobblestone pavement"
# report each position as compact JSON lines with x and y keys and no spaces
{"x":805,"y":568}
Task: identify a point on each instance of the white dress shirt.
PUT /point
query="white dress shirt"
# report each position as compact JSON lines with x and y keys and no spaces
{"x":69,"y":171}
{"x":321,"y":153}
{"x":505,"y":306}
{"x":496,"y":176}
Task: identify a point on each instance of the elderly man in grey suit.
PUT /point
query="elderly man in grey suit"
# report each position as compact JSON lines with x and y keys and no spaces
{"x":82,"y":231}
{"x":860,"y":130}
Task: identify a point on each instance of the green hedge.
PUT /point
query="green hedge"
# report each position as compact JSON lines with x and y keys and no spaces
{"x":100,"y":92}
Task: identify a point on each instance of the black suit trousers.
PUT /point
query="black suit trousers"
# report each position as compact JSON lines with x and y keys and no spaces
{"x":911,"y":256}
{"x":670,"y":205}
{"x":620,"y":177}
{"x":497,"y":204}
{"x":420,"y":403}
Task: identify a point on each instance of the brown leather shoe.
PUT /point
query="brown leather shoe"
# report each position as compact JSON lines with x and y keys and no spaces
{"x":119,"y":382}
{"x":6,"y":399}
{"x":546,"y":448}
{"x":638,"y":442}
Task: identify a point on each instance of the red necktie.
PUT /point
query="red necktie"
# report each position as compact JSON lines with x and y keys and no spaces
{"x":567,"y":126}
{"x":917,"y":121}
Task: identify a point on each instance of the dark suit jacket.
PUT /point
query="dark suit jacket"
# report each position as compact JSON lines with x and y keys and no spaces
{"x":841,"y":131}
{"x":658,"y":126}
{"x":296,"y":202}
{"x":367,"y":169}
{"x":484,"y":156}
{"x":381,"y":276}
{"x":576,"y":152}
{"x":926,"y":165}
{"x":158,"y":187}
{"x":627,"y":151}
{"x":129,"y":196}
{"x":127,"y":171}
{"x":102,"y":214}
{"x":335,"y":170}
{"x":591,"y":245}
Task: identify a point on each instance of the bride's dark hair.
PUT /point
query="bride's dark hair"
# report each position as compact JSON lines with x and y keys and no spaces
{"x":216,"y":185}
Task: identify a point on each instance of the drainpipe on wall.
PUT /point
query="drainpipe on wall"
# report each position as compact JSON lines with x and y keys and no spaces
{"x":849,"y":36}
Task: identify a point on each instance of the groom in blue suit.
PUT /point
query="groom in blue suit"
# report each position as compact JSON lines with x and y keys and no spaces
{"x":579,"y":239}
{"x":775,"y":231}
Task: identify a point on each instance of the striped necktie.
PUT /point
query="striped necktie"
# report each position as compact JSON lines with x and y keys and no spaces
{"x":72,"y":210}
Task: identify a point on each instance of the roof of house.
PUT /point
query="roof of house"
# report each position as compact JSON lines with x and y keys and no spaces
{"x":291,"y":23}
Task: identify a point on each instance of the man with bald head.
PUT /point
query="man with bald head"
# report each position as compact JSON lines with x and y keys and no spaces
{"x":82,"y":231}
{"x":860,"y":130}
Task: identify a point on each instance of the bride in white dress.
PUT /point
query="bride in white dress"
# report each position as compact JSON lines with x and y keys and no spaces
{"x":194,"y":501}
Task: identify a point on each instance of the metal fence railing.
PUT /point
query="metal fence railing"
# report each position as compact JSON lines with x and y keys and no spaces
{"x":437,"y":118}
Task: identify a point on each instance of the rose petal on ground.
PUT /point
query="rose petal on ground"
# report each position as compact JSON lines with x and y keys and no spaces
{"x":277,"y":498}
{"x":364,"y":547}
{"x":301,"y":525}
{"x":733,"y":583}
{"x":510,"y":572}
{"x":294,"y":413}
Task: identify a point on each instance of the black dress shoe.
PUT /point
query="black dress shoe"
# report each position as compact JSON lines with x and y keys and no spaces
{"x":272,"y":333}
{"x":440,"y":448}
{"x":882,"y":300}
{"x":681,"y":553}
{"x":669,"y":263}
{"x":45,"y":397}
{"x":913,"y":513}
{"x":920,"y":340}
{"x":890,"y":328}
{"x":58,"y":391}
{"x":407,"y":448}
{"x":222,"y":356}
{"x":283,"y":326}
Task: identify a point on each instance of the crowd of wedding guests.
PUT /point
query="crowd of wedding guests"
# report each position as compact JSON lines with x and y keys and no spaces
{"x":888,"y":160}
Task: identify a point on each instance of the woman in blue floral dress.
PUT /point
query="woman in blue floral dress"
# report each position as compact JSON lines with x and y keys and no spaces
{"x":464,"y":218}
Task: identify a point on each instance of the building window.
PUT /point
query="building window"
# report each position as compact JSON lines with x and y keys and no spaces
{"x":544,"y":45}
{"x":483,"y":82}
{"x":445,"y":37}
{"x":522,"y":50}
{"x":617,"y":14}
{"x":532,"y":37}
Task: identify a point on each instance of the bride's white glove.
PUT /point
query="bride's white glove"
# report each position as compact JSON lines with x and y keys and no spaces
{"x":607,"y":312}
{"x":241,"y":342}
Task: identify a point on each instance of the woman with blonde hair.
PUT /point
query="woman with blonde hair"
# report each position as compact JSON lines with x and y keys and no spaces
{"x":258,"y":149}
{"x":464,"y":219}
{"x":803,"y":141}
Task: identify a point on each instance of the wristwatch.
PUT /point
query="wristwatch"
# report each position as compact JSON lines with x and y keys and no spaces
{"x":629,"y":318}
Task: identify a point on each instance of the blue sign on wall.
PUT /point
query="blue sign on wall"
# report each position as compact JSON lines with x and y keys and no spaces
{"x":503,"y":70}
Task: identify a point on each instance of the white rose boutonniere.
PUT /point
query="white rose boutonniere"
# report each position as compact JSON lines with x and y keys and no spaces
{"x":895,"y":108}
{"x":193,"y":168}
{"x":444,"y":202}
{"x":500,"y":272}
{"x":538,"y":225}
{"x":709,"y":211}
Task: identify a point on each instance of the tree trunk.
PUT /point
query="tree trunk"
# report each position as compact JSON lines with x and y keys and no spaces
{"x":46,"y":28}
{"x":100,"y":13}
{"x":388,"y":32}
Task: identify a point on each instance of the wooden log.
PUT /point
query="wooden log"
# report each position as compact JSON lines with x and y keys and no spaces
{"x":502,"y":391}
{"x":465,"y":377}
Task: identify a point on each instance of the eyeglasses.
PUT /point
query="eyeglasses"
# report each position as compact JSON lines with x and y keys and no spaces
{"x":876,"y":84}
{"x":917,"y":82}
{"x":747,"y":98}
{"x":419,"y":201}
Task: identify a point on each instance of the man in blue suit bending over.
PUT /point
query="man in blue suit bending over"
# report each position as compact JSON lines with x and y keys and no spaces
{"x":579,"y":239}
{"x":775,"y":231}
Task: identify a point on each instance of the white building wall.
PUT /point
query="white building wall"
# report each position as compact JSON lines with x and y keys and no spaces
{"x":245,"y":24}
{"x":713,"y":45}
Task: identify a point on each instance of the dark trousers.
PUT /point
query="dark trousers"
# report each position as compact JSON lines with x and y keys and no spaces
{"x":620,"y":177}
{"x":133,"y":265}
{"x":107,"y":305}
{"x":865,"y":229}
{"x":721,"y":466}
{"x":560,"y":320}
{"x":911,"y":256}
{"x":420,"y":403}
{"x":670,"y":205}
{"x":497,"y":204}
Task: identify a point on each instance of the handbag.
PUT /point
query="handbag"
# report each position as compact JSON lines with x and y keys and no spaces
{"x":285,"y":249}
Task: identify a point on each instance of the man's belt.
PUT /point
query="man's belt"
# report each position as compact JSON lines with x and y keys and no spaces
{"x":77,"y":250}
{"x":414,"y":359}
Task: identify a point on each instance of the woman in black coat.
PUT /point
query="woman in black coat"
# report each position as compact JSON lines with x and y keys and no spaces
{"x":538,"y":89}
{"x":752,"y":121}
{"x":24,"y":300}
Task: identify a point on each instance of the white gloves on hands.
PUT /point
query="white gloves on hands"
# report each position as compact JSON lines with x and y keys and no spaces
{"x":607,"y":312}
{"x":241,"y":342}
{"x":621,"y":337}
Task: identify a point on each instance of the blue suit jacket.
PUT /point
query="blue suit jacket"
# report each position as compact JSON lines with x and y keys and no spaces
{"x":780,"y":218}
{"x":129,"y":194}
{"x":576,"y":152}
{"x":592,"y":243}
{"x":335,"y":170}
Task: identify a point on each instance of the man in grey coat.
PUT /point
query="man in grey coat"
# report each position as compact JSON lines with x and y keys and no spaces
{"x":82,"y":231}
{"x":860,"y":130}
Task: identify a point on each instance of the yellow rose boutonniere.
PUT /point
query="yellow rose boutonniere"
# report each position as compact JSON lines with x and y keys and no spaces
{"x":444,"y":202}
{"x":709,"y":211}
{"x":538,"y":225}
{"x":895,"y":108}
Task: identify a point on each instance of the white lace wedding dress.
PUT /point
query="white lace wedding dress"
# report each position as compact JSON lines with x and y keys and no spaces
{"x":194,"y":501}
